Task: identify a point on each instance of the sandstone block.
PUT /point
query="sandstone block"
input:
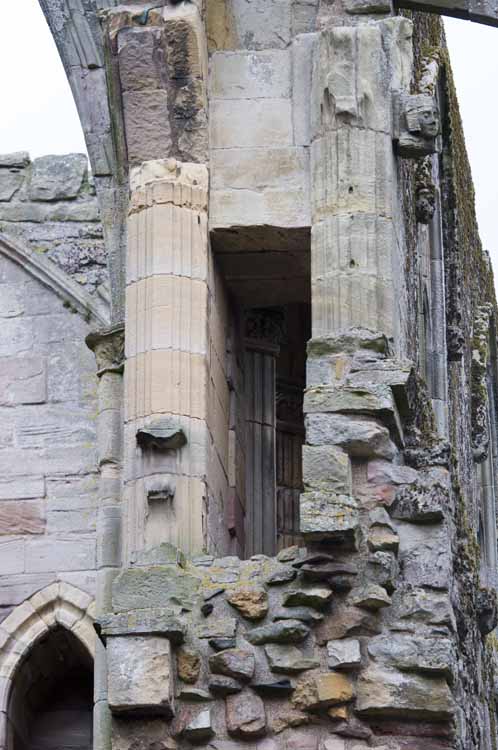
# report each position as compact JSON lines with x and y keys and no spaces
{"x":249,"y":124}
{"x":21,"y":517}
{"x":250,"y":75}
{"x":22,"y":488}
{"x":322,"y":690}
{"x":326,"y":515}
{"x":348,"y":621}
{"x":148,"y":133}
{"x":234,"y":663}
{"x":188,"y":665}
{"x":140,"y":675}
{"x":245,"y":715}
{"x":402,"y":695}
{"x":57,"y":177}
{"x":344,"y":654}
{"x":251,"y":602}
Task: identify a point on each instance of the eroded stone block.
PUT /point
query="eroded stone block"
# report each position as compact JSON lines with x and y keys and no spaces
{"x":57,"y":177}
{"x":408,"y":696}
{"x":140,"y":675}
{"x":326,"y":515}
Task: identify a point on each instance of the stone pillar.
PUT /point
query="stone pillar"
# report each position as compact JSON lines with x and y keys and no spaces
{"x":263,"y":332}
{"x":108,"y":347}
{"x":166,"y":358}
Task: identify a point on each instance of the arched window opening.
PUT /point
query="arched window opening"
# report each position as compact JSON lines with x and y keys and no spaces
{"x":51,"y":702}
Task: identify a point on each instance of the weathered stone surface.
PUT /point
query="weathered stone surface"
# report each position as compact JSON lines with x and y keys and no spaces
{"x":199,"y":729}
{"x":322,"y":690}
{"x":221,"y":685}
{"x":10,"y":182}
{"x":165,"y":585}
{"x":327,"y":466}
{"x":305,"y":614}
{"x":245,"y":715}
{"x":188,"y":665}
{"x":288,"y":659}
{"x":143,"y":621}
{"x":344,"y":654}
{"x":425,"y":555}
{"x":347,"y":621}
{"x":357,"y":7}
{"x":407,"y":696}
{"x":289,"y":719}
{"x":359,"y":436}
{"x":21,"y":517}
{"x":57,"y":177}
{"x":17,"y":159}
{"x":356,"y":400}
{"x":382,"y":569}
{"x":140,"y":675}
{"x":221,"y":644}
{"x":325,"y":515}
{"x":317,"y":597}
{"x":193,"y":694}
{"x":251,"y":602}
{"x":370,"y":596}
{"x":382,"y":538}
{"x":283,"y":631}
{"x":288,"y":554}
{"x":233,"y":663}
{"x":424,"y":606}
{"x":415,"y":653}
{"x":422,"y":502}
{"x":280,"y":576}
{"x":487,"y":610}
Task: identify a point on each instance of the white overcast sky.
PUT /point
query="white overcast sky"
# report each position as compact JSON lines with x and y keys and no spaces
{"x":38,"y":114}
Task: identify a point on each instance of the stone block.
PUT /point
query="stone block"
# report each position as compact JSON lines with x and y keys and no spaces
{"x":425,"y":555}
{"x":141,"y":57}
{"x":283,"y":631}
{"x":408,"y":653}
{"x":272,"y":206}
{"x":43,"y":555}
{"x":370,"y":596}
{"x":284,"y":659}
{"x":21,"y":517}
{"x":11,"y":562}
{"x":250,"y":75}
{"x":22,"y":487}
{"x":199,"y":729}
{"x":302,"y":53}
{"x":23,"y":380}
{"x":422,"y":502}
{"x":263,"y":24}
{"x":326,"y":515}
{"x":321,"y":691}
{"x":361,"y":437}
{"x":146,"y":115}
{"x":10,"y":182}
{"x":259,"y":169}
{"x":165,"y":585}
{"x":18,"y":159}
{"x":245,"y":715}
{"x":344,"y":654}
{"x":218,"y":628}
{"x":151,"y":621}
{"x":251,"y":602}
{"x":250,"y":123}
{"x":233,"y":662}
{"x":314,"y":596}
{"x":140,"y":675}
{"x":57,"y":177}
{"x":16,"y":336}
{"x":400,"y":695}
{"x":329,"y":466}
{"x":188,"y":665}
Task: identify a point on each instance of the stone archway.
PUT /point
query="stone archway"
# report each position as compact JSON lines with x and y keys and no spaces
{"x":60,"y":612}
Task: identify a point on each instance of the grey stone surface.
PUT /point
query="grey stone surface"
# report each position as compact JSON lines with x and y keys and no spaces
{"x":245,"y":715}
{"x":325,"y":515}
{"x":283,"y":631}
{"x":284,"y":659}
{"x":57,"y":177}
{"x":362,"y":437}
{"x":344,"y":654}
{"x":235,"y":663}
{"x":140,"y":675}
{"x":10,"y":182}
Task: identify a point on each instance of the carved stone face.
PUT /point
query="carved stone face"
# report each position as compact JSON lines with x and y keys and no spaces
{"x":429,"y":121}
{"x":422,"y":116}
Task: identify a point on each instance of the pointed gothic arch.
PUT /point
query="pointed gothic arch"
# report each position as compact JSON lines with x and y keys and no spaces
{"x":58,"y":606}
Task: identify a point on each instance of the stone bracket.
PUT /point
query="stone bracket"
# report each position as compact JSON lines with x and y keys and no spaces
{"x":416,"y":124}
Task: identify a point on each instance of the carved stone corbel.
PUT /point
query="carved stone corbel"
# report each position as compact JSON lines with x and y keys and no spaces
{"x":108,"y":346}
{"x":265,"y":325}
{"x":425,"y":192}
{"x":416,"y":124}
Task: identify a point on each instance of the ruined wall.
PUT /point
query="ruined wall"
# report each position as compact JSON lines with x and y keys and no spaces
{"x":51,"y":258}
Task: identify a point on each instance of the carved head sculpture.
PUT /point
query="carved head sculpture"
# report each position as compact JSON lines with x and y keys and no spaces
{"x":417,"y":125}
{"x":422,"y":115}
